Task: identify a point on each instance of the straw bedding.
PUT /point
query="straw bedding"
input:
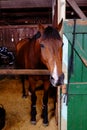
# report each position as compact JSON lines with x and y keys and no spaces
{"x":18,"y":108}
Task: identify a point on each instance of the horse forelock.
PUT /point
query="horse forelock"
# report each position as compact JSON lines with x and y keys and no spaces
{"x":51,"y":33}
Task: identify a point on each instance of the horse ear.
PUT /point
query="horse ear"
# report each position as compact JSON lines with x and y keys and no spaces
{"x":40,"y":27}
{"x":59,"y":26}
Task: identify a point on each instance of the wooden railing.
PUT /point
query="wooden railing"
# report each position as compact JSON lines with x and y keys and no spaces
{"x":23,"y":71}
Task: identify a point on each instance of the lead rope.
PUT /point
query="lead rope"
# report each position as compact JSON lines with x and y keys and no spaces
{"x":71,"y":59}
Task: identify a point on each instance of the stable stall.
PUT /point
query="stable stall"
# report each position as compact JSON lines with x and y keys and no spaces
{"x":73,"y":104}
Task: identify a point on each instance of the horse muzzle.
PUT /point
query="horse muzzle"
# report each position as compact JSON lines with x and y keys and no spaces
{"x":58,"y":82}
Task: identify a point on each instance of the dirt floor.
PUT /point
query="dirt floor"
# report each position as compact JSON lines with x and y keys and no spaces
{"x":18,"y":108}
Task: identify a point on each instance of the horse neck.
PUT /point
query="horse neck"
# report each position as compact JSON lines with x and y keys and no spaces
{"x":41,"y":65}
{"x":37,"y":50}
{"x":35,"y":53}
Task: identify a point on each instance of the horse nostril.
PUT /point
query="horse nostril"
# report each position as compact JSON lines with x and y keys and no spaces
{"x":61,"y":79}
{"x":51,"y":78}
{"x":62,"y":76}
{"x":53,"y":81}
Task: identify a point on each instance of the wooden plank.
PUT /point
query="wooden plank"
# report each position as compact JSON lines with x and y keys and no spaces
{"x":76,"y":8}
{"x":78,"y":88}
{"x":81,"y":26}
{"x":61,"y":8}
{"x":81,"y":53}
{"x":24,"y":3}
{"x":23,"y":72}
{"x":77,"y":109}
{"x":54,"y":13}
{"x":18,"y":26}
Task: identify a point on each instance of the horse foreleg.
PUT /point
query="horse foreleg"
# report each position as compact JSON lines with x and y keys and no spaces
{"x":32,"y":87}
{"x":23,"y":86}
{"x":45,"y":105}
{"x":33,"y":108}
{"x":45,"y":109}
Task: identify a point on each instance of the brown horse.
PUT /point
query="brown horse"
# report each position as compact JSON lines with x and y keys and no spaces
{"x":43,"y":50}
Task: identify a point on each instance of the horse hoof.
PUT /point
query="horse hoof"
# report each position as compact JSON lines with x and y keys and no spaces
{"x":24,"y":96}
{"x":33,"y":122}
{"x":45,"y":124}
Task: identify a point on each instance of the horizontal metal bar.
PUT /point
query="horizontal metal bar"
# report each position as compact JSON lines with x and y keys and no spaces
{"x":23,"y":72}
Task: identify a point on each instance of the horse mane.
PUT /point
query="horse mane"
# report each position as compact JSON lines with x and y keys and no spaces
{"x":35,"y":37}
{"x":51,"y":33}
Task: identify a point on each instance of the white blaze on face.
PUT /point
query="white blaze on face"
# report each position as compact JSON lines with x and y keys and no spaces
{"x":55,"y":74}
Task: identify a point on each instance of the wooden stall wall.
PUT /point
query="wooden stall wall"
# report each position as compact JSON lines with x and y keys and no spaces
{"x":10,"y":35}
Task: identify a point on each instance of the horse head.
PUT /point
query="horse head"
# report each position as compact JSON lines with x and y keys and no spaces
{"x":51,"y":52}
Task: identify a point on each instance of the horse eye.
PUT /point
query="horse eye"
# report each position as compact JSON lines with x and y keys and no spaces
{"x":41,"y":45}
